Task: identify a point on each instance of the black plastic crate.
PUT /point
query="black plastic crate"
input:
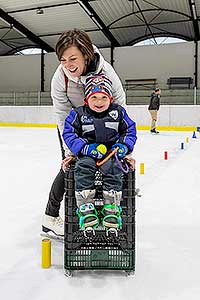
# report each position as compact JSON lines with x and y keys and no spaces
{"x":100,"y":252}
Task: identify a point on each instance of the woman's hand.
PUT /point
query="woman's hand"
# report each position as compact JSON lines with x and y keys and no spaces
{"x":131,"y":161}
{"x":66,"y":162}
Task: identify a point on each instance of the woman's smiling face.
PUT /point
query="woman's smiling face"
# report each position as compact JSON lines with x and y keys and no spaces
{"x":74,"y":61}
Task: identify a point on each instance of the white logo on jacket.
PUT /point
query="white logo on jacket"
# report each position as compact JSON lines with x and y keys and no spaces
{"x":86,"y":119}
{"x":114,"y":114}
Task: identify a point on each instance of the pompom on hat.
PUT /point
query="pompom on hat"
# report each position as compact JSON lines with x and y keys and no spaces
{"x":98,"y":84}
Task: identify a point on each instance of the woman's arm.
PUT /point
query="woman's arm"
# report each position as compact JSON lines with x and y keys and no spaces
{"x":119,"y":95}
{"x":71,"y":133}
{"x":58,"y":94}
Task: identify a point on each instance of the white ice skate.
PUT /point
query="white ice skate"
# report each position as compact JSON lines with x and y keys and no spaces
{"x":53,"y":227}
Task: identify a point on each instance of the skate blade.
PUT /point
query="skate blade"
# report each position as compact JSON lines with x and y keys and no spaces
{"x":52,"y":236}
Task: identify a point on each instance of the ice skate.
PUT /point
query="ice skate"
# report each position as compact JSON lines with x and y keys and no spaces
{"x":112,"y":220}
{"x":52,"y":236}
{"x":154,"y":131}
{"x":88,"y":219}
{"x":53,"y":227}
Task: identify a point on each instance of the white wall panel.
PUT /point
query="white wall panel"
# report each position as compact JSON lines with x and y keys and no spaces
{"x":168,"y":115}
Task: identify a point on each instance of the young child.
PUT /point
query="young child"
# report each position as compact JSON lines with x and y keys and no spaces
{"x":97,"y":122}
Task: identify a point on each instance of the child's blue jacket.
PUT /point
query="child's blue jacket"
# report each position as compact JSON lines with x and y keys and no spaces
{"x":84,"y":126}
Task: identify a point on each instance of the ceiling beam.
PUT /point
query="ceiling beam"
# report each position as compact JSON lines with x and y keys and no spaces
{"x":147,"y":24}
{"x":7,"y":44}
{"x":24,"y":31}
{"x":161,"y":10}
{"x":97,"y":20}
{"x":148,"y":36}
{"x":40,"y":7}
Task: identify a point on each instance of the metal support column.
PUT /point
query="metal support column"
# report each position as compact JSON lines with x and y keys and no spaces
{"x":42,"y":72}
{"x":195,"y":72}
{"x":196,"y":65}
{"x":112,"y":55}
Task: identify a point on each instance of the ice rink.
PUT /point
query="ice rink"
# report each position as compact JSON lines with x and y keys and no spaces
{"x":167,"y":222}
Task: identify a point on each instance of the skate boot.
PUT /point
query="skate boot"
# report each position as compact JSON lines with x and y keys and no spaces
{"x":88,"y":219}
{"x":112,"y":220}
{"x":154,"y":131}
{"x":53,"y":225}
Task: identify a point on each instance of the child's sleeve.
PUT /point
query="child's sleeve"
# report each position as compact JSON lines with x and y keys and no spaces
{"x":127,"y":131}
{"x":72,"y":133}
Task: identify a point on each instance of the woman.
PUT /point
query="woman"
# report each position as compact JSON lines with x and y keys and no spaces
{"x":78,"y":58}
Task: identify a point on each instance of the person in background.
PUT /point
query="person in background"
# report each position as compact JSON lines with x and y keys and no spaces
{"x":89,"y":132}
{"x":78,"y":58}
{"x":153,"y":108}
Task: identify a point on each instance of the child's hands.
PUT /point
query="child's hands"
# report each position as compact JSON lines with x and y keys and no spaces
{"x":123,"y":149}
{"x":91,"y":150}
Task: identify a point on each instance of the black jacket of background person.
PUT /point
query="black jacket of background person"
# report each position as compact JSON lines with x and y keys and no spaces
{"x":154,"y":102}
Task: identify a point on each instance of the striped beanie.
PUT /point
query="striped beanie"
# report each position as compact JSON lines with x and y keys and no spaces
{"x":97,"y":84}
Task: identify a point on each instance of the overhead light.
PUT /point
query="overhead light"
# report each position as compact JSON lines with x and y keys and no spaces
{"x":96,"y":22}
{"x":39,"y":11}
{"x":84,"y":7}
{"x":89,"y":13}
{"x":194,"y":11}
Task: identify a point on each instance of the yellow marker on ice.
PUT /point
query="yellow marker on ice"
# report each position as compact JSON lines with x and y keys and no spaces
{"x":187,"y":139}
{"x":46,"y":253}
{"x":142,"y":168}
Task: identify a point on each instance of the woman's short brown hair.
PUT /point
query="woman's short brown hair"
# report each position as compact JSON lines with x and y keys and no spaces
{"x":77,"y":38}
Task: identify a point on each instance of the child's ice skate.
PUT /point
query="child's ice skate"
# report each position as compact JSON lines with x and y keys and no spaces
{"x":112,"y":220}
{"x":88,"y":219}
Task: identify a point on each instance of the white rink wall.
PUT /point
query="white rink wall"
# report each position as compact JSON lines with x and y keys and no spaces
{"x":27,"y":114}
{"x":181,"y":115}
{"x":168,"y":115}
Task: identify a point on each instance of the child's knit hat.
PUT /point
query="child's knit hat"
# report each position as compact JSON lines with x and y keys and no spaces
{"x":97,"y":84}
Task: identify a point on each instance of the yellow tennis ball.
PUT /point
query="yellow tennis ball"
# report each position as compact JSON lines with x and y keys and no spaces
{"x":102,"y":149}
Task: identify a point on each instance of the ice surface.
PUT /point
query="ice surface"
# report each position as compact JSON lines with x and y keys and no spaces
{"x":168,"y":222}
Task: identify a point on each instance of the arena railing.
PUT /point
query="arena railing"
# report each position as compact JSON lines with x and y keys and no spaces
{"x":133,"y":97}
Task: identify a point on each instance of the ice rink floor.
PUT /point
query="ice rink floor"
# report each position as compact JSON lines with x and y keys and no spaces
{"x":167,"y":222}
